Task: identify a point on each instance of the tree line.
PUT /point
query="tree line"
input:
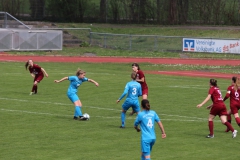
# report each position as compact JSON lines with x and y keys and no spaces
{"x":168,"y":12}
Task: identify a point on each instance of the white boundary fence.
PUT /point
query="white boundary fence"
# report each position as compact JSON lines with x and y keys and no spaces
{"x":15,"y":35}
{"x":29,"y":40}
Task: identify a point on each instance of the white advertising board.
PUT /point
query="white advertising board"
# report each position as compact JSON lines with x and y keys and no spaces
{"x":211,"y":45}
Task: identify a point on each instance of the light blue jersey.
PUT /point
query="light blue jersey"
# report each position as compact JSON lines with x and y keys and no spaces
{"x":75,"y":82}
{"x":133,"y":89}
{"x":146,"y":121}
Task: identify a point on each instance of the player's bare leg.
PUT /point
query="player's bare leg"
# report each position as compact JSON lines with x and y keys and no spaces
{"x":144,"y":96}
{"x":236,"y":116}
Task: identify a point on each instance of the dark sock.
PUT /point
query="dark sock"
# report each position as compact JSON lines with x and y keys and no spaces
{"x":36,"y":89}
{"x":210,"y":125}
{"x":238,"y":121}
{"x":229,"y":118}
{"x":33,"y":88}
{"x":229,"y":126}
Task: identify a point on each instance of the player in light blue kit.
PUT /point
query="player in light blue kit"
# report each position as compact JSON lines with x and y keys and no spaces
{"x":146,"y":120}
{"x":75,"y":82}
{"x":134,"y":90}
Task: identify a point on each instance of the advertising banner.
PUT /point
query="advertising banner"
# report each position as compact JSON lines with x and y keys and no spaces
{"x":211,"y":45}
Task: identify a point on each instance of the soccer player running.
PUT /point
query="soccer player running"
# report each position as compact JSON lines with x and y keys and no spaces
{"x":37,"y":73}
{"x":217,"y":108}
{"x":146,"y":119}
{"x":75,"y":82}
{"x":133,"y":91}
{"x":142,"y":80}
{"x":233,"y":92}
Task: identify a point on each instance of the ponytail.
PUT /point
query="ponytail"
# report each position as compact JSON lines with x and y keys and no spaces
{"x":26,"y":64}
{"x":145,"y":104}
{"x":213,"y":82}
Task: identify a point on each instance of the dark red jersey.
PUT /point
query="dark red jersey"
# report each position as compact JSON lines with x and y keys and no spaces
{"x":216,"y":95}
{"x":233,"y":94}
{"x":140,"y":75}
{"x":36,"y":70}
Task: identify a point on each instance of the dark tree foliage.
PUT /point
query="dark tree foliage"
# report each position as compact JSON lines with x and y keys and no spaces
{"x":175,"y":12}
{"x":103,"y":10}
{"x":67,"y":10}
{"x":11,"y":6}
{"x":37,"y":9}
{"x":115,"y":6}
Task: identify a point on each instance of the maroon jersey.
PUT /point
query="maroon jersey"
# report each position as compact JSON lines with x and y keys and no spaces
{"x":234,"y":95}
{"x":216,"y":95}
{"x":36,"y":70}
{"x":140,"y":75}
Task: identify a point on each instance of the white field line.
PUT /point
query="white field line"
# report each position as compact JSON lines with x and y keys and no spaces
{"x":62,"y":104}
{"x":187,"y":87}
{"x":116,"y":118}
{"x":29,"y":112}
{"x":183,"y":116}
{"x":190,"y":87}
{"x":191,"y":74}
{"x":182,"y":120}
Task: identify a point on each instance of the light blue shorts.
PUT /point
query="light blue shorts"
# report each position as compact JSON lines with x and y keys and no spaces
{"x":131,"y":103}
{"x":73,"y":97}
{"x":146,"y":146}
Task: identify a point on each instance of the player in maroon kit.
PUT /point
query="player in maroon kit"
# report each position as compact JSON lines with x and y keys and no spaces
{"x":217,"y":108}
{"x":37,"y":73}
{"x":142,"y":80}
{"x":233,"y":92}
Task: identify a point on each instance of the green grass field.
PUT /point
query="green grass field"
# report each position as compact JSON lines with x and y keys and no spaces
{"x":41,"y":127}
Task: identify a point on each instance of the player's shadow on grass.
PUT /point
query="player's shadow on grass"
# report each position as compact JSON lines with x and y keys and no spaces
{"x":217,"y":131}
{"x":118,"y":127}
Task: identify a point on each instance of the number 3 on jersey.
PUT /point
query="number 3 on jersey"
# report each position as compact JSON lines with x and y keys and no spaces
{"x":150,"y":124}
{"x":134,"y":92}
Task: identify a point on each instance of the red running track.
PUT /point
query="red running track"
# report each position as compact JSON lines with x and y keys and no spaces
{"x":212,"y":62}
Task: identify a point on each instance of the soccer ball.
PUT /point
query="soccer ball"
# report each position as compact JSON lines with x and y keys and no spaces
{"x":85,"y":115}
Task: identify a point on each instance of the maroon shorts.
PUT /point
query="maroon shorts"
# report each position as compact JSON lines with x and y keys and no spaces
{"x":234,"y":108}
{"x":145,"y":91}
{"x":218,"y":109}
{"x":38,"y":78}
